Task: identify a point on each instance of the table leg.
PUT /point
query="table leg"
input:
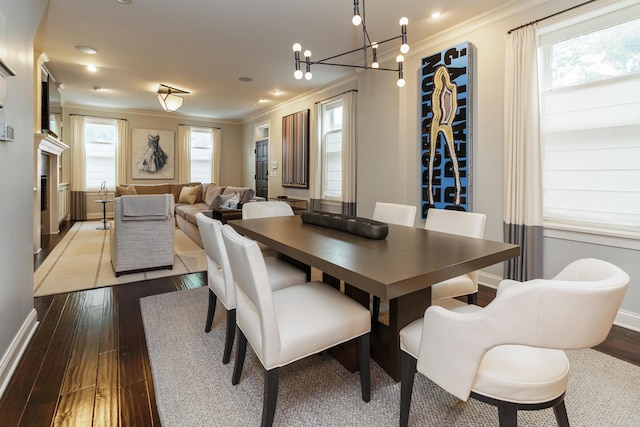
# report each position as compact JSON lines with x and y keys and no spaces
{"x":105,"y":226}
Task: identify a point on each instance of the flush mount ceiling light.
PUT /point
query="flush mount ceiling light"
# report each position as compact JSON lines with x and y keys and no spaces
{"x":358,"y":19}
{"x":86,"y":49}
{"x":168,"y":98}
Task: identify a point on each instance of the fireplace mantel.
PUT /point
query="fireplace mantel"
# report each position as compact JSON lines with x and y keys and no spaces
{"x":49,"y":144}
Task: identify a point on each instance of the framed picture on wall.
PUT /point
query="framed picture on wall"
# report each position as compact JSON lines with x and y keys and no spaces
{"x":445,"y":129}
{"x":153,"y":154}
{"x":295,"y":150}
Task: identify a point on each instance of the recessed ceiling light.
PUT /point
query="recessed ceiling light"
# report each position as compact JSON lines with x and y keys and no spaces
{"x":87,"y":49}
{"x":277,"y":92}
{"x":436,"y":15}
{"x":262,"y":101}
{"x":92,"y":68}
{"x":98,"y":88}
{"x":245,"y":79}
{"x":124,"y":1}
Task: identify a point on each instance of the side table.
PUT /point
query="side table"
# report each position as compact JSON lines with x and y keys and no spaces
{"x":104,"y":202}
{"x":224,"y":215}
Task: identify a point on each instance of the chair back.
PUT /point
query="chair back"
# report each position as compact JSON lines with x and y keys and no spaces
{"x":468,"y":224}
{"x":393,"y":213}
{"x":266,"y":209}
{"x":218,"y":268}
{"x":255,"y":312}
{"x":573,"y":310}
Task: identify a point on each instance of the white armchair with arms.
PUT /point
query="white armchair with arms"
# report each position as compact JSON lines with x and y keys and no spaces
{"x":142,"y":233}
{"x":509,"y":354}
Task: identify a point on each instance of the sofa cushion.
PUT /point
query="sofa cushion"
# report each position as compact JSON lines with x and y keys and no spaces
{"x":129,"y":190}
{"x":213,"y":190}
{"x":189,"y":195}
{"x":189,"y":212}
{"x":245,"y":193}
{"x":153,"y":189}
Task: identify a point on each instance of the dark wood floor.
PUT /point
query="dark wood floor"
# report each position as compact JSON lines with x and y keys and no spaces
{"x":87,"y":363}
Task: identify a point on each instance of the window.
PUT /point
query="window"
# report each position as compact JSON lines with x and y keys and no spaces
{"x":331,"y":134}
{"x":201,"y":155}
{"x":590,"y":124}
{"x":101,"y":140}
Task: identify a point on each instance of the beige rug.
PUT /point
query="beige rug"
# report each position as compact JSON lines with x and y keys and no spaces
{"x":82,"y":261}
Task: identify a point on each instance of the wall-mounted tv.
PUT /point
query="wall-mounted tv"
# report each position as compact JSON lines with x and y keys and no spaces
{"x":50,"y":104}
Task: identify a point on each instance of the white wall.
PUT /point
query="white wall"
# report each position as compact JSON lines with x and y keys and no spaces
{"x":389,"y":142}
{"x":17,"y":315}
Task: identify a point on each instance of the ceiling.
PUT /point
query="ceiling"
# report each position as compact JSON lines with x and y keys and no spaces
{"x":205,"y":47}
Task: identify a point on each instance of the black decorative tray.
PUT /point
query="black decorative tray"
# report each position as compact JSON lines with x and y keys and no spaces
{"x":350,"y":224}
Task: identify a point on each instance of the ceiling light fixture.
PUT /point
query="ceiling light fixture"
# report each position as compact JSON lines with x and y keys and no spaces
{"x":169,"y":101}
{"x":358,"y":19}
{"x":86,"y":49}
{"x":92,"y":68}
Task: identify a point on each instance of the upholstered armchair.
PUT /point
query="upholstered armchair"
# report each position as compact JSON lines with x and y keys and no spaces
{"x":142,"y":233}
{"x":509,"y":354}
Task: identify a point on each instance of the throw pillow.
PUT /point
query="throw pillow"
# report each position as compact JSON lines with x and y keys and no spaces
{"x":231,"y":202}
{"x":213,"y":190}
{"x":122,"y":190}
{"x":189,"y":195}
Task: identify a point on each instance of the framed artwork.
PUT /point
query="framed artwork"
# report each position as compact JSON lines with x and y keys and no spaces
{"x":295,"y":150}
{"x":153,"y":154}
{"x":445,"y":129}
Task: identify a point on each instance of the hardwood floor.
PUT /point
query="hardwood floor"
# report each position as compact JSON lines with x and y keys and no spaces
{"x":87,"y":363}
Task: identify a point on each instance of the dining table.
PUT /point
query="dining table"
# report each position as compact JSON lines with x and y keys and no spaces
{"x":399,"y":268}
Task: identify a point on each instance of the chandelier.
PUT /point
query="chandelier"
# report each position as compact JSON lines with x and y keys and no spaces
{"x":358,"y":19}
{"x":168,"y":98}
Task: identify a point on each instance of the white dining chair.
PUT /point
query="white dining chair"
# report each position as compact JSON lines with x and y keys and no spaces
{"x":286,"y":325}
{"x":266,"y":209}
{"x":510,"y":353}
{"x":469,"y":224}
{"x":220,"y":277}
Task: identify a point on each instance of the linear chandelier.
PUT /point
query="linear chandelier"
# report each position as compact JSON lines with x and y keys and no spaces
{"x":168,"y":98}
{"x":358,"y":19}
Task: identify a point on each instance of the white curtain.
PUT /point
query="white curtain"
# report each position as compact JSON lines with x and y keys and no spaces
{"x":217,"y":153}
{"x":121,"y":156}
{"x":77,"y":185}
{"x":522,"y":155}
{"x":184,"y":153}
{"x":349,"y":153}
{"x":315,"y":159}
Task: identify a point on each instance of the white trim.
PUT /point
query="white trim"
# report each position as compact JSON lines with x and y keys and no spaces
{"x":11,"y":358}
{"x":593,"y":236}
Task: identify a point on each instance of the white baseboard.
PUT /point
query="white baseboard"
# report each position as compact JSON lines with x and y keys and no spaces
{"x":11,"y":358}
{"x":625,"y":319}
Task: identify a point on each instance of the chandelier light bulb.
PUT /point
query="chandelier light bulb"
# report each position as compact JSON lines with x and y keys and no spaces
{"x":399,"y":58}
{"x":375,"y":65}
{"x":356,"y":20}
{"x":308,"y":75}
{"x":307,"y":53}
{"x":297,"y":47}
{"x":404,"y":20}
{"x":297,"y":74}
{"x":404,"y":48}
{"x":400,"y":83}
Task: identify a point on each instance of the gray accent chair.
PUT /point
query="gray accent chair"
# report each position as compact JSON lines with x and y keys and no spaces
{"x":142,"y":233}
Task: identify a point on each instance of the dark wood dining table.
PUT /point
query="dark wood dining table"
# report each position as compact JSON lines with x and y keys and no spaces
{"x":400,"y":268}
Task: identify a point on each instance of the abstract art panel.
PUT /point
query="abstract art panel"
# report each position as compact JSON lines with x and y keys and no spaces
{"x":153,"y":154}
{"x":295,"y":150}
{"x":445,"y":129}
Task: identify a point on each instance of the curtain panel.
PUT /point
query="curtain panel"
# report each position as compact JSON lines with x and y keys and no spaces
{"x":121,"y":156}
{"x":184,"y":153}
{"x":523,"y":217}
{"x":349,"y":153}
{"x":78,"y":208}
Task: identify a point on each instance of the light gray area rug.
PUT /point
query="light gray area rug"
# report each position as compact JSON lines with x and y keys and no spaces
{"x":82,"y":260}
{"x":193,"y":387}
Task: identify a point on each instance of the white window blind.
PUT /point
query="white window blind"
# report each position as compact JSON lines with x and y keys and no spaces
{"x":332,"y":150}
{"x":201,"y":155}
{"x":101,"y":139}
{"x":590,"y":128}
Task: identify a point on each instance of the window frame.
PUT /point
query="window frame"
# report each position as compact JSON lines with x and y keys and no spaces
{"x":328,"y":129}
{"x":100,"y":121}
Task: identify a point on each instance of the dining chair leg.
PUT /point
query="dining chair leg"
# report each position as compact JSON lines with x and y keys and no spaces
{"x":507,"y":414}
{"x":472,"y":298}
{"x":241,"y":350}
{"x":375,"y":310}
{"x":364,"y":345}
{"x":561,"y":414}
{"x":211,"y":311}
{"x":407,"y":375}
{"x":231,"y":333}
{"x":270,"y":396}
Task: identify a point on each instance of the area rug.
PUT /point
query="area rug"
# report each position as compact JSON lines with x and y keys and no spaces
{"x":193,"y":387}
{"x":82,"y":260}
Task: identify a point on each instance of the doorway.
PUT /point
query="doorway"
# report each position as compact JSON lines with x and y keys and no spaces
{"x":262,"y":161}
